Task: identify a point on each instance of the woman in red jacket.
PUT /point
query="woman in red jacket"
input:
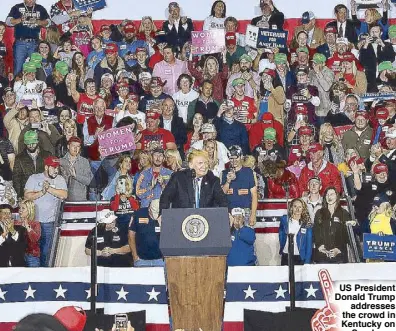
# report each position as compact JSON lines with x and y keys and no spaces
{"x":26,"y":219}
{"x":279,"y":179}
{"x":211,"y":71}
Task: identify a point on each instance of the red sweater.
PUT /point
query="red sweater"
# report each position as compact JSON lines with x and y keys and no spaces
{"x":33,"y":238}
{"x":328,"y":173}
{"x":256,"y":131}
{"x":107,"y":122}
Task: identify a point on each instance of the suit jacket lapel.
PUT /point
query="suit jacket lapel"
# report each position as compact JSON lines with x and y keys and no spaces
{"x":204,"y":193}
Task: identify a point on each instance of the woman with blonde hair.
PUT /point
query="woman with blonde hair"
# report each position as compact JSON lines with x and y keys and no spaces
{"x":380,"y":217}
{"x":123,"y":166}
{"x":173,"y":159}
{"x":371,"y":17}
{"x":210,"y":146}
{"x":69,"y":130}
{"x":27,"y":213}
{"x":332,"y":147}
{"x":354,"y":79}
{"x":298,"y":223}
{"x":211,"y":71}
{"x":143,"y":158}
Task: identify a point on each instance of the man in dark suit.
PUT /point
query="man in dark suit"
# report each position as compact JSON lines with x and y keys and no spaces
{"x":272,"y":18}
{"x":345,"y":27}
{"x":13,"y":240}
{"x":373,"y":52}
{"x":178,"y":29}
{"x":173,"y":123}
{"x":194,"y":187}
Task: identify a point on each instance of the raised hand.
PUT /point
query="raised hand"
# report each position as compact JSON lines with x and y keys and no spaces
{"x":327,"y":318}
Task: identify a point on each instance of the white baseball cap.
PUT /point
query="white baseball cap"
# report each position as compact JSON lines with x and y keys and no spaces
{"x":106,"y":216}
{"x":237,"y":211}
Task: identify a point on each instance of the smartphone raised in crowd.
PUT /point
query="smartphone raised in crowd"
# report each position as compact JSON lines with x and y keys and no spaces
{"x":121,"y":322}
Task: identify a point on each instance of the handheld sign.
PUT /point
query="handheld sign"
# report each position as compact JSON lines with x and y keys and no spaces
{"x":83,"y":5}
{"x":271,"y":39}
{"x":207,"y":42}
{"x":379,"y":247}
{"x":116,"y":140}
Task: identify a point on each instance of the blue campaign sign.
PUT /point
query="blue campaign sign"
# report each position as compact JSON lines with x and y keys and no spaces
{"x":83,"y":5}
{"x":271,"y":38}
{"x":379,"y":247}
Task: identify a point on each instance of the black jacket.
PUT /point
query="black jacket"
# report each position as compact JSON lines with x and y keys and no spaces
{"x":179,"y":192}
{"x":277,"y":18}
{"x":12,"y":253}
{"x":370,"y":61}
{"x":178,"y":129}
{"x":24,"y":168}
{"x":331,"y":232}
{"x":350,"y":30}
{"x":179,"y":37}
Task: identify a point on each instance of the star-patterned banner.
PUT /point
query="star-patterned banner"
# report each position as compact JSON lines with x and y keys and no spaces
{"x":123,"y":290}
{"x":267,"y":288}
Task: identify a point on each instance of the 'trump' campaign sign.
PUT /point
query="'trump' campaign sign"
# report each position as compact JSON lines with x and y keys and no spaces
{"x":116,"y":141}
{"x":379,"y":247}
{"x":207,"y":42}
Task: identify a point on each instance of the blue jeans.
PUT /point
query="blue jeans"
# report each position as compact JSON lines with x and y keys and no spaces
{"x":22,"y":50}
{"x":47,"y":233}
{"x":319,"y":121}
{"x":32,"y":261}
{"x":149,"y":263}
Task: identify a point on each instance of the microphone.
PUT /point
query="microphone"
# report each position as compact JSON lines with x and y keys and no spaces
{"x":193,"y":176}
{"x":193,"y":173}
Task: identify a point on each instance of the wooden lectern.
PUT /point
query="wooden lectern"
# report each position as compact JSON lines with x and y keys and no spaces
{"x":195,"y":244}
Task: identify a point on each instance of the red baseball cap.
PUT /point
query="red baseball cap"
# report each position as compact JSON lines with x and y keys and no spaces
{"x":316,"y":147}
{"x":269,"y":72}
{"x":74,"y":140}
{"x":230,"y":38}
{"x":379,"y":168}
{"x":349,"y":57}
{"x":105,"y":28}
{"x":357,"y":160}
{"x":130,"y":27}
{"x":267,"y":118}
{"x":330,"y":29}
{"x":382,"y":113}
{"x":305,"y":130}
{"x":49,"y":90}
{"x":52,"y":161}
{"x":111,"y":48}
{"x":362,"y":113}
{"x":73,"y":318}
{"x":153,"y":115}
{"x":301,"y":109}
{"x":122,"y":85}
{"x":134,"y":97}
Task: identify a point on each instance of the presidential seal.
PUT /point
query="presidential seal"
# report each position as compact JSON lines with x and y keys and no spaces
{"x":195,"y":228}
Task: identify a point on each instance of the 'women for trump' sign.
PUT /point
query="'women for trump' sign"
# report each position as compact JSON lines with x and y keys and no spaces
{"x":117,"y":140}
{"x":207,"y":42}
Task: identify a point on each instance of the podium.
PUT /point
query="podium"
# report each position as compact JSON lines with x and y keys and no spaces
{"x":195,"y":244}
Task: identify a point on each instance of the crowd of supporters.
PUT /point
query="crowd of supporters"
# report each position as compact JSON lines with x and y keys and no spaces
{"x":274,"y":123}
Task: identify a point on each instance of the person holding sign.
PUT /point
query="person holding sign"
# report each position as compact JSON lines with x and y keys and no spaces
{"x":371,"y":17}
{"x":271,"y":19}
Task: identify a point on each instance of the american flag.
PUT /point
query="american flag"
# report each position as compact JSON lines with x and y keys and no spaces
{"x":119,"y":291}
